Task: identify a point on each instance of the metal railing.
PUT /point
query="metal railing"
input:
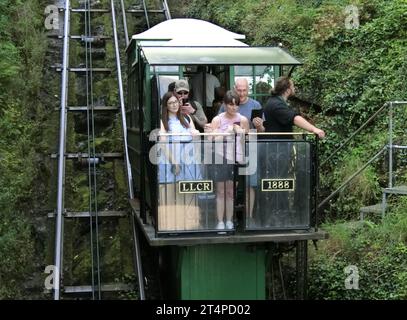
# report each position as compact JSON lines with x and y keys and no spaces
{"x":354,"y":134}
{"x":127,"y":159}
{"x":343,"y":185}
{"x":389,"y":146}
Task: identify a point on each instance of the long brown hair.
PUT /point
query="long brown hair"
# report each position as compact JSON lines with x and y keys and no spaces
{"x":164,"y":112}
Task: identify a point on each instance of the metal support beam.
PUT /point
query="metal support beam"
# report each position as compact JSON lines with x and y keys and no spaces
{"x":86,"y":214}
{"x":391,"y":145}
{"x":302,"y":268}
{"x":61,"y":158}
{"x":104,"y":287}
{"x":167,"y":10}
{"x":85,"y":155}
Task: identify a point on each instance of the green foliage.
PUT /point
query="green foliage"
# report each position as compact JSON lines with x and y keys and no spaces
{"x":350,"y":74}
{"x":361,"y":190}
{"x":8,"y":66}
{"x":22,"y":52}
{"x":379,"y":251}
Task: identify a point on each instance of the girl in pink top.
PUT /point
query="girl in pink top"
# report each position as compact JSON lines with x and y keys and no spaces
{"x":230,"y":121}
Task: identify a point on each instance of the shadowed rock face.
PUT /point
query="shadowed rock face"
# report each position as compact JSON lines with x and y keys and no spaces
{"x":97,"y":53}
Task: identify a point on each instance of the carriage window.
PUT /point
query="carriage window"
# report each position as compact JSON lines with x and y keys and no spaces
{"x":244,"y":70}
{"x":264,"y":79}
{"x":260,"y":78}
{"x":164,"y":83}
{"x":163,"y":69}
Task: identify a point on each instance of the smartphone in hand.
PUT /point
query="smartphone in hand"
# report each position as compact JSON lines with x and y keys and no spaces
{"x":256,"y":113}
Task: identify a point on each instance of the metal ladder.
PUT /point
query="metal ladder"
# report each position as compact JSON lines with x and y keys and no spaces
{"x":91,"y":158}
{"x":141,"y":9}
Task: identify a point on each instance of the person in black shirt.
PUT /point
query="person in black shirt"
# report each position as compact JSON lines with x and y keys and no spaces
{"x":278,"y":159}
{"x":279,"y":117}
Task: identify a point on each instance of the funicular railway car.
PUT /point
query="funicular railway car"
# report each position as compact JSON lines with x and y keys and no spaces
{"x":274,"y":188}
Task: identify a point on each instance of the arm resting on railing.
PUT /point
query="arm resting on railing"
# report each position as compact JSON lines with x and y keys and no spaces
{"x":304,"y":124}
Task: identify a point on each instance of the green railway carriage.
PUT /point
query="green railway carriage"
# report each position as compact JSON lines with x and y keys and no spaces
{"x":179,"y":219}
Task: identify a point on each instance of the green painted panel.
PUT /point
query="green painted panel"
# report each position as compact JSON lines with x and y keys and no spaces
{"x":147,"y":100}
{"x":226,"y":271}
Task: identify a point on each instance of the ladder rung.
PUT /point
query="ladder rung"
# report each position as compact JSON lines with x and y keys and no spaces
{"x":95,"y":37}
{"x":76,"y":37}
{"x":90,"y":10}
{"x":86,"y":214}
{"x":59,"y":69}
{"x":85,"y":155}
{"x":142,"y":11}
{"x":396,"y":190}
{"x":57,"y":36}
{"x":104,"y":287}
{"x":95,"y":108}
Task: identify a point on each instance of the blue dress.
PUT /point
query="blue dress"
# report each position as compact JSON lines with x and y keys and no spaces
{"x":182,"y":151}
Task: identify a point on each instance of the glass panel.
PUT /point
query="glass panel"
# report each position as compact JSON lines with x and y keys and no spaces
{"x":165,"y":81}
{"x":261,"y":70}
{"x":172,"y":69}
{"x":262,"y":99}
{"x":281,"y":185}
{"x":243,"y":70}
{"x":249,"y":80}
{"x":243,"y":56}
{"x":286,"y":69}
{"x":264,"y":79}
{"x":195,"y":189}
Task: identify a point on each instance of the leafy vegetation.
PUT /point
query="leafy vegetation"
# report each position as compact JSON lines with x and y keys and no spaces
{"x":22,"y":50}
{"x":378,"y":250}
{"x":348,"y":74}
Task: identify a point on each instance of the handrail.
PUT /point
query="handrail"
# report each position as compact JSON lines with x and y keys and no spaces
{"x":126,"y":34}
{"x":354,"y":134}
{"x":127,"y":159}
{"x":61,"y":159}
{"x":146,"y":14}
{"x":393,"y":104}
{"x":399,"y":102}
{"x":351,"y":177}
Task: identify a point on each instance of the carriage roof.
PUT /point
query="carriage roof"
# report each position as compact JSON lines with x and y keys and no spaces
{"x":193,"y":42}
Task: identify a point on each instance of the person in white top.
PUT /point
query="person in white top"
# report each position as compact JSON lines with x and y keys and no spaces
{"x":173,"y":121}
{"x":197,"y":83}
{"x":189,"y":107}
